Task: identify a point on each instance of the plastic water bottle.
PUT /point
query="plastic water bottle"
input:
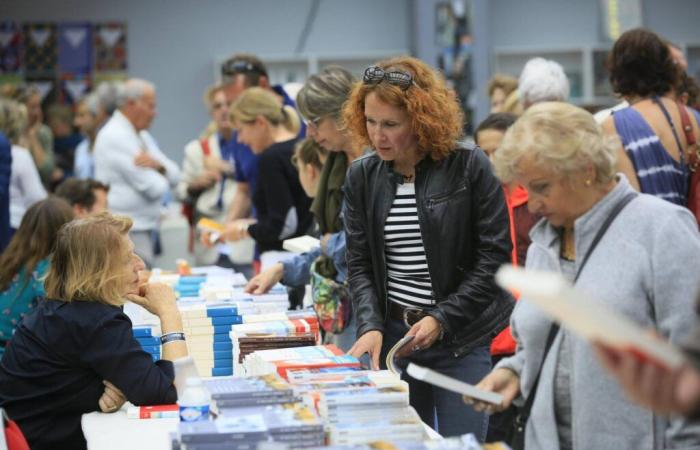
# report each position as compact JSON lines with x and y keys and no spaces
{"x":194,"y":404}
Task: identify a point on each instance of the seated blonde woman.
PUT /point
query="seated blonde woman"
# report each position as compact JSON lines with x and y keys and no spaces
{"x":644,"y":266}
{"x":75,"y":353}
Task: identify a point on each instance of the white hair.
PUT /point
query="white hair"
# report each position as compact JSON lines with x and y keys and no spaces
{"x":133,"y":89}
{"x":543,"y":80}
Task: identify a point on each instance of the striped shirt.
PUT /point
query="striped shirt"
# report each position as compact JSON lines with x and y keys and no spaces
{"x":658,"y":173}
{"x":408,"y":280}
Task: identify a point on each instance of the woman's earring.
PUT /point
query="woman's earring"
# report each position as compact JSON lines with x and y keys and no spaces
{"x":588,"y":182}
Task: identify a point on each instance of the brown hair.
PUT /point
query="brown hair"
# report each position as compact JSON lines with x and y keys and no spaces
{"x":436,"y":118}
{"x":34,"y":238}
{"x":506,"y":83}
{"x":250,"y":66}
{"x":88,"y":260}
{"x":80,"y":192}
{"x":640,"y":63}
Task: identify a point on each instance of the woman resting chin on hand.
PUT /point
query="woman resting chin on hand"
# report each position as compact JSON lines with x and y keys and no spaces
{"x":83,"y":339}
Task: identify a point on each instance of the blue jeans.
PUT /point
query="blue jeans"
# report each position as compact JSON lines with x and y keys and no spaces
{"x":441,"y":409}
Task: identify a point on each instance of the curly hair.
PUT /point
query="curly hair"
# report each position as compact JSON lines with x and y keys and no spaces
{"x":436,"y":117}
{"x":640,"y":63}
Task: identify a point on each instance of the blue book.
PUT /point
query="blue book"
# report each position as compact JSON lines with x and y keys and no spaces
{"x":222,"y":371}
{"x":191,"y":280}
{"x":223,"y":363}
{"x":226,"y":320}
{"x":222,"y":337}
{"x":222,"y":311}
{"x":142,"y":332}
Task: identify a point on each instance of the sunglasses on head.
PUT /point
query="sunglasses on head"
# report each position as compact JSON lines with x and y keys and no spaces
{"x":238,"y":66}
{"x":375,"y":75}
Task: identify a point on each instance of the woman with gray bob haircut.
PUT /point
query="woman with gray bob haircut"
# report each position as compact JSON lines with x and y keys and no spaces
{"x":320,"y":102}
{"x":642,"y":267}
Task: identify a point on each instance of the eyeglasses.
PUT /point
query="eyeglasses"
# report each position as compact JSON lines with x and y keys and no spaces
{"x":235,"y":66}
{"x":375,"y":75}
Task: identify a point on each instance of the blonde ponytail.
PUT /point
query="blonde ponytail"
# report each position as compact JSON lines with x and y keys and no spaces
{"x":256,"y":102}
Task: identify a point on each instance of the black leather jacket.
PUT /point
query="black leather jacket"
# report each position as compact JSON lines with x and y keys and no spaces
{"x":466,"y":234}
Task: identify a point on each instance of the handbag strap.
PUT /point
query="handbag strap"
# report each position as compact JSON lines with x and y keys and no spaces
{"x":554,"y":329}
{"x":693,"y":156}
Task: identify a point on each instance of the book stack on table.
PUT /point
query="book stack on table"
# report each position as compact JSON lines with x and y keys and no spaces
{"x":264,"y":362}
{"x":207,"y":327}
{"x":149,"y":338}
{"x":352,"y":415}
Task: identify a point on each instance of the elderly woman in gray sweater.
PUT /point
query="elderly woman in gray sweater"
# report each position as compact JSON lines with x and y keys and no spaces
{"x":644,"y":267}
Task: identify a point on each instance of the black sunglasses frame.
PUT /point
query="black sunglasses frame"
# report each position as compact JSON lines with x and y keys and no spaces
{"x":374,"y":75}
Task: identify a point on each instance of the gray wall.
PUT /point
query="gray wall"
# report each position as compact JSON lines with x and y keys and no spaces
{"x":174,"y":42}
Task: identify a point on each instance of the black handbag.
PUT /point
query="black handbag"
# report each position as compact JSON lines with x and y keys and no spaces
{"x":517,"y":441}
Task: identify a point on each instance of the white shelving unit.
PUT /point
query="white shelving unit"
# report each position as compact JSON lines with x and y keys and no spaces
{"x":284,"y":68}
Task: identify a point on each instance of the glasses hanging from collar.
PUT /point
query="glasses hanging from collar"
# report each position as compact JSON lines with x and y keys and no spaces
{"x":375,"y":75}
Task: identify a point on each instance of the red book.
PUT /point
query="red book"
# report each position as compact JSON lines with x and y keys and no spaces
{"x":153,"y":412}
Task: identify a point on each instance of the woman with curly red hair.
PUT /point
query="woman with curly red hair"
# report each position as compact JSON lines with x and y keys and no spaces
{"x":426,"y":226}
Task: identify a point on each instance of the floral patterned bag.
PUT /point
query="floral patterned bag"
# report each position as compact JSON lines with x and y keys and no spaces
{"x":331,"y":301}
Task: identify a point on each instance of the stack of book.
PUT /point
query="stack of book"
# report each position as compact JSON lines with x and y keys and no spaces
{"x":188,"y":285}
{"x":251,"y":391}
{"x":292,"y":424}
{"x":149,"y":338}
{"x":240,"y":433}
{"x":245,"y":343}
{"x":207,"y":327}
{"x":264,"y":362}
{"x":352,"y":415}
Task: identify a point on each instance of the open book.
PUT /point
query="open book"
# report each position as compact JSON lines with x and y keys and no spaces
{"x":391,"y":354}
{"x":452,"y":384}
{"x":301,"y":244}
{"x":585,"y":316}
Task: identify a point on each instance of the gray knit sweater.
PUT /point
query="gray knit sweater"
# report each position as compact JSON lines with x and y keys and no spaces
{"x":646,"y":268}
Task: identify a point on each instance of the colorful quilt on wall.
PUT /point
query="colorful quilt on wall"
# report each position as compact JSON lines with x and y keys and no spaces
{"x":63,"y":60}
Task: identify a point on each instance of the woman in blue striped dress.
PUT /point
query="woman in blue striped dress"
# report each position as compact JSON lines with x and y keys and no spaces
{"x":652,"y":154}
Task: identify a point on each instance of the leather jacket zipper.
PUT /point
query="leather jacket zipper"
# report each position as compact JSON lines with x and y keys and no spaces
{"x":437,"y":200}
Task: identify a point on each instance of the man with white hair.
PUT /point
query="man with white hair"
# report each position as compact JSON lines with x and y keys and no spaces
{"x":542,"y":80}
{"x":128,"y":159}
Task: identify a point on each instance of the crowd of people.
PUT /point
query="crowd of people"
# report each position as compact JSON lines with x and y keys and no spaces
{"x":413,"y":219}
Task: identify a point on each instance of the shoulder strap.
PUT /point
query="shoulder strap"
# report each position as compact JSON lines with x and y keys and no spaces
{"x":554,"y":329}
{"x":681,"y":152}
{"x":205,"y":146}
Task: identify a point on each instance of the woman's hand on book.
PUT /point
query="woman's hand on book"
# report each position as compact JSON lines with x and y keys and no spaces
{"x":502,"y":381}
{"x":263,"y":282}
{"x":426,"y":331}
{"x":370,"y":343}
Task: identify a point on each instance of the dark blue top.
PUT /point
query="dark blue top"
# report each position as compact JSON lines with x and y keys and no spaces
{"x":658,"y":173}
{"x":245,"y":161}
{"x":5,"y":170}
{"x":52,"y":370}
